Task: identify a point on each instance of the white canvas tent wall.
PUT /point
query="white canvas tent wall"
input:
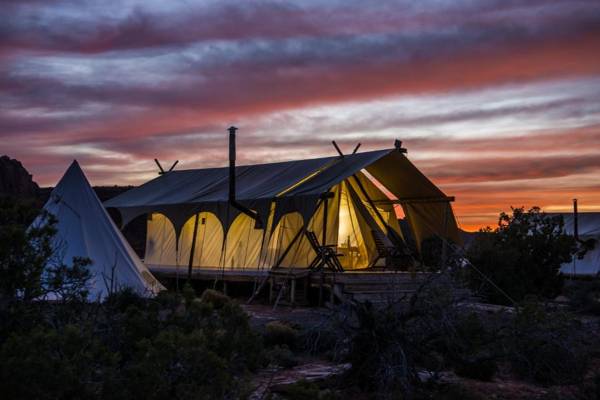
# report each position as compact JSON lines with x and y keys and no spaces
{"x":589,"y":228}
{"x":288,"y":198}
{"x":84,"y":229}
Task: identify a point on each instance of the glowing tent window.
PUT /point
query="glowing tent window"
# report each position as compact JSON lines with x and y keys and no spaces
{"x":350,"y":243}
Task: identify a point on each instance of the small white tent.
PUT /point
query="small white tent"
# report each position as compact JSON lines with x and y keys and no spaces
{"x":588,"y":226}
{"x":85,"y":229}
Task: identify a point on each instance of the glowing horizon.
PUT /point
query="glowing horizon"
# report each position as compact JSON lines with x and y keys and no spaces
{"x":498,"y":104}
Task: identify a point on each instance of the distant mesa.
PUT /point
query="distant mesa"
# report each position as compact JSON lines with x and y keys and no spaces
{"x":15,"y":180}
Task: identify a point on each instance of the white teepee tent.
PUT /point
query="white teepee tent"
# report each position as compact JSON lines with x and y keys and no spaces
{"x":85,"y":229}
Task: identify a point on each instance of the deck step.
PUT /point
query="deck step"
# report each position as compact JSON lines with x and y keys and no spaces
{"x":390,"y":287}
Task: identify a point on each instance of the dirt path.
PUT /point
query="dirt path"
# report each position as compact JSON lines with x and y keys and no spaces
{"x":305,"y":317}
{"x":269,"y":380}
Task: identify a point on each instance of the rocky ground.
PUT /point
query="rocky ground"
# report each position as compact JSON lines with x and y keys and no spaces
{"x":280,"y":382}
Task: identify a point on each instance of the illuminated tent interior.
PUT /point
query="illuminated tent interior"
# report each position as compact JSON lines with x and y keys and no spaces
{"x":346,"y":201}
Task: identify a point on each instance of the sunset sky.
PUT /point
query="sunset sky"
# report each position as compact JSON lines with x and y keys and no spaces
{"x":498,"y":102}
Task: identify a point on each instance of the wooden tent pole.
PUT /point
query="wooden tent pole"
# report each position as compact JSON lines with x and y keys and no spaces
{"x":391,"y":232}
{"x":325,"y":203}
{"x":295,"y":238}
{"x":287,"y":250}
{"x":193,"y":249}
{"x":445,"y":241}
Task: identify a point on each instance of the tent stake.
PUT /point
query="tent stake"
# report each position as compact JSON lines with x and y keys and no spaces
{"x":193,"y":249}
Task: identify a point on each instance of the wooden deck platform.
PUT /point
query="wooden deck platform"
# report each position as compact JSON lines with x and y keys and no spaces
{"x":292,"y":285}
{"x":231,"y":275}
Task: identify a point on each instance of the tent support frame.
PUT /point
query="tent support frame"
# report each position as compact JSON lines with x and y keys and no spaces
{"x":325,"y":200}
{"x":193,"y":249}
{"x":416,"y":200}
{"x":391,"y":234}
{"x":289,"y":247}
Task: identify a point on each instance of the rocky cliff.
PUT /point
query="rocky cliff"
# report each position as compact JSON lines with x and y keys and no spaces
{"x":15,"y":180}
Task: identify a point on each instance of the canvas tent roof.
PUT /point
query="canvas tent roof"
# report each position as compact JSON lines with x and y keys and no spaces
{"x":84,"y":229}
{"x":588,"y":226}
{"x":588,"y":223}
{"x":179,"y":194}
{"x":293,"y":185}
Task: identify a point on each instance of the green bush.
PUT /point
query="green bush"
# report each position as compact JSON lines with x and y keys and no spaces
{"x":548,"y":347}
{"x":178,"y":365}
{"x":188,"y":293}
{"x":590,"y":390}
{"x":121,"y":300}
{"x":168,"y":300}
{"x":216,"y":298}
{"x":470,"y":347}
{"x":482,"y":367}
{"x":128,"y":347}
{"x":382,"y":351}
{"x":585,"y":296}
{"x":322,"y":340}
{"x":455,"y":392}
{"x":31,"y":266}
{"x":48,"y":363}
{"x":437,"y":255}
{"x":279,"y":334}
{"x":522,"y":256}
{"x":281,"y":356}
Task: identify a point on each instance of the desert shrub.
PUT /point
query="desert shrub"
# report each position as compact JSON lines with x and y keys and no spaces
{"x":470,"y":347}
{"x":48,"y":363}
{"x":453,"y":391}
{"x":278,"y":334}
{"x":306,"y":390}
{"x":433,"y":256}
{"x":548,"y":347}
{"x":585,"y":296}
{"x":168,"y":300}
{"x":235,"y":338}
{"x":214,"y":297}
{"x":321,"y":340}
{"x":127,"y":347}
{"x":380,"y":352}
{"x":188,"y":293}
{"x":122,"y":299}
{"x":522,"y":256}
{"x":281,"y":356}
{"x":178,"y":365}
{"x":482,"y":368}
{"x":591,"y":389}
{"x":391,"y":344}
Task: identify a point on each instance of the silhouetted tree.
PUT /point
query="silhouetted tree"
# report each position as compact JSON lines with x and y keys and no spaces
{"x":522,"y":256}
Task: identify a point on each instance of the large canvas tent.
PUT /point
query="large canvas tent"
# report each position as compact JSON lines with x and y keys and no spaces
{"x":588,"y":227}
{"x":84,"y":229}
{"x":342,"y":200}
